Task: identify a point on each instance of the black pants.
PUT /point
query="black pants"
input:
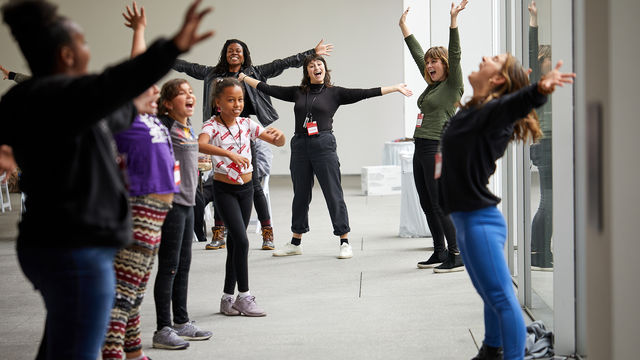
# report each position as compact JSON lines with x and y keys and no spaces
{"x":234,"y":205}
{"x":174,"y":261}
{"x":206,"y":196}
{"x":203,"y":198}
{"x":542,"y":225}
{"x":316,"y":155}
{"x":440,"y":224}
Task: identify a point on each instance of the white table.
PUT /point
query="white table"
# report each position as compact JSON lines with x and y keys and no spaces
{"x":392,"y":150}
{"x":413,"y":222}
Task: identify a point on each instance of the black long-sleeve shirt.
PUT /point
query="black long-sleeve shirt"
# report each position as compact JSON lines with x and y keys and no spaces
{"x":321,"y":102}
{"x":60,"y":128}
{"x":472,"y":142}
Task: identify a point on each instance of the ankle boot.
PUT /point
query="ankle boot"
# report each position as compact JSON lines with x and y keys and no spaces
{"x":489,"y":353}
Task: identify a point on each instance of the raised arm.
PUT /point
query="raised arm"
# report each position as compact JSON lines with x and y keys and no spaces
{"x":534,"y":45}
{"x":412,"y":43}
{"x":455,"y":10}
{"x":403,"y":23}
{"x":137,"y":21}
{"x":514,"y":106}
{"x":455,"y":53}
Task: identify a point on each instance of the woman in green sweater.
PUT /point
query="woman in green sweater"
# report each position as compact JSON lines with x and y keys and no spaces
{"x":442,"y":72}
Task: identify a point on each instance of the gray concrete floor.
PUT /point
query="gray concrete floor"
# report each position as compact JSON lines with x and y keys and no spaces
{"x":377,"y":305}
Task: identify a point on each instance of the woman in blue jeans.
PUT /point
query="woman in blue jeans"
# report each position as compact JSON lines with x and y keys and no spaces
{"x":500,"y":110}
{"x":76,"y":220}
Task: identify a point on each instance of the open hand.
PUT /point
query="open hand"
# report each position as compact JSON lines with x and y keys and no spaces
{"x":533,"y":10}
{"x":456,"y":9}
{"x":135,"y":19}
{"x":187,"y":35}
{"x":402,"y":88}
{"x":548,"y":82}
{"x":323,"y":49}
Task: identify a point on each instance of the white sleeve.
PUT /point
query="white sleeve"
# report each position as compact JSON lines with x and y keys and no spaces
{"x":255,"y":129}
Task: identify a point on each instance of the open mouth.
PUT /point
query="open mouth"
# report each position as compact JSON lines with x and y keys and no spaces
{"x":189,"y":106}
{"x":432,"y":73}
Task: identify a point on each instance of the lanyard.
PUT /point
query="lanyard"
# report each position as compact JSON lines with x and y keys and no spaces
{"x":239,"y":144}
{"x":308,"y":118}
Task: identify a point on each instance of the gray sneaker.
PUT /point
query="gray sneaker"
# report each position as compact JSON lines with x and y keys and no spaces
{"x":167,"y":338}
{"x":190,"y":331}
{"x":247,"y":306}
{"x":226,"y":307}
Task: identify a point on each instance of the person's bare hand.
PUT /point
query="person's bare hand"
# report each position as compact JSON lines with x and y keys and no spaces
{"x":135,"y":18}
{"x":555,"y":78}
{"x":323,"y":49}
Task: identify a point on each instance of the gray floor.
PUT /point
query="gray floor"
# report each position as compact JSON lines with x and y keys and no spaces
{"x":376,"y":305}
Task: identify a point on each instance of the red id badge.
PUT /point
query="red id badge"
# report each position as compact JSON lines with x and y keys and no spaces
{"x":176,"y":172}
{"x":233,"y":173}
{"x":438,"y":170}
{"x":419,"y":120}
{"x":312,"y":128}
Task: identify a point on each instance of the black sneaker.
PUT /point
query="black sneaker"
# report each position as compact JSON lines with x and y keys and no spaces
{"x":489,"y":353}
{"x":452,"y":264}
{"x":436,"y":258}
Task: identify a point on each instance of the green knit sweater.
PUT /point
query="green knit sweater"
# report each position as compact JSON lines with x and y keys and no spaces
{"x":438,"y":101}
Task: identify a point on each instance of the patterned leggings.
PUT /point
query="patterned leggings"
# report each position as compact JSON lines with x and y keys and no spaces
{"x":133,"y":266}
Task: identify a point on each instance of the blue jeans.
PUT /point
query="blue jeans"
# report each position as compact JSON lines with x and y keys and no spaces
{"x":174,"y":262}
{"x":78,"y":288}
{"x":482,"y":235}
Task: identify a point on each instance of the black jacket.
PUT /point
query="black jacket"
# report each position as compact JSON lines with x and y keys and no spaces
{"x":60,"y":128}
{"x":261,"y":102}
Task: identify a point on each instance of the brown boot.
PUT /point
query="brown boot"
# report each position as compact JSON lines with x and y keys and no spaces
{"x":217,"y":240}
{"x":267,"y":238}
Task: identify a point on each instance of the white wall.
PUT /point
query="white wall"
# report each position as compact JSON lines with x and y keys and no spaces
{"x":367,"y":53}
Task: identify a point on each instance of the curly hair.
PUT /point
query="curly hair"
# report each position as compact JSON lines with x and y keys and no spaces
{"x":223,"y":65}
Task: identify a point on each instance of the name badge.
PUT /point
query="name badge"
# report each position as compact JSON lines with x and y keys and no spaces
{"x":419,"y":120}
{"x":233,"y":173}
{"x":312,"y":128}
{"x":176,"y":172}
{"x":438,"y":170}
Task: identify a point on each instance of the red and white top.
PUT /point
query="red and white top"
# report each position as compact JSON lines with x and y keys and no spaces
{"x":234,"y":138}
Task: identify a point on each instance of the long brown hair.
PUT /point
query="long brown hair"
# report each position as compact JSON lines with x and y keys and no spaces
{"x":169,"y":91}
{"x":515,"y":78}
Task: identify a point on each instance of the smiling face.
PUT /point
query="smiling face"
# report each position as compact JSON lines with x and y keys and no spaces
{"x":316,"y":72}
{"x":231,"y":102}
{"x":435,"y":69}
{"x":181,"y":107}
{"x":235,"y":56}
{"x":488,"y":73}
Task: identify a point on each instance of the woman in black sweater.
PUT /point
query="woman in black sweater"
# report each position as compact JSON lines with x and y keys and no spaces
{"x":77,"y":213}
{"x":500,"y":110}
{"x":313,"y":147}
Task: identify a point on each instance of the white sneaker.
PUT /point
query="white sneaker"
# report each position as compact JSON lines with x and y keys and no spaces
{"x":346,"y":252}
{"x":288,"y":250}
